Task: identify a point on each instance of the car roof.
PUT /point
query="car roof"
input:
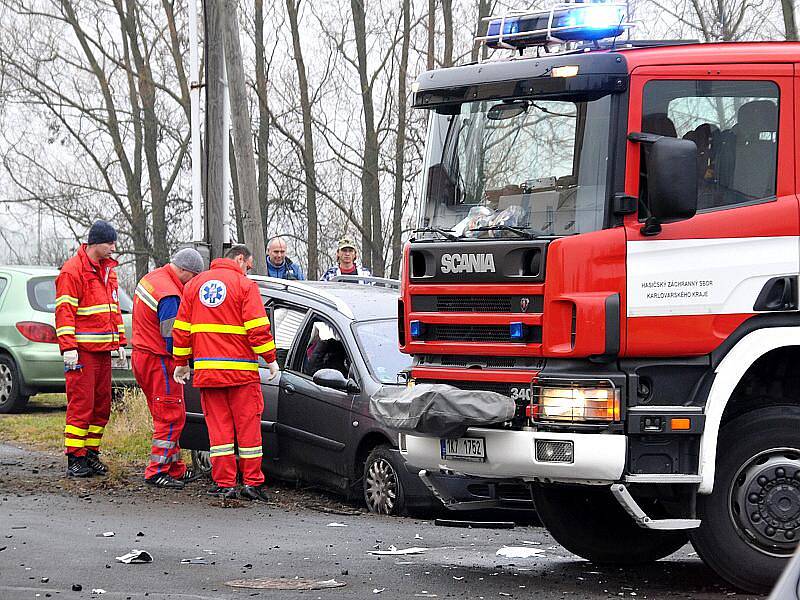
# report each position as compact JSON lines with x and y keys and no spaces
{"x":355,"y":301}
{"x":30,"y":269}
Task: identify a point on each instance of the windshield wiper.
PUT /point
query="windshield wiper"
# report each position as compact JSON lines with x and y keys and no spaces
{"x":443,"y":232}
{"x":520,"y":231}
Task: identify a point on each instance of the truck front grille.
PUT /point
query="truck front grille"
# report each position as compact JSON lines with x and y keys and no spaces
{"x":478,"y":304}
{"x":478,"y":333}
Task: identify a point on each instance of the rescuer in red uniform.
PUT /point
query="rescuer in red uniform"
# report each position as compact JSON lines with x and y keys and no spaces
{"x":155,"y":306}
{"x":89,"y":329}
{"x":223,"y":326}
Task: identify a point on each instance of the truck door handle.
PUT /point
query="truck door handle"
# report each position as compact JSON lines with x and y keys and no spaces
{"x":289,"y":389}
{"x":778,"y":294}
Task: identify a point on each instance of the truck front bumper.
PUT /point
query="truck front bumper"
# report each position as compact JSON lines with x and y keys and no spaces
{"x":597,"y":459}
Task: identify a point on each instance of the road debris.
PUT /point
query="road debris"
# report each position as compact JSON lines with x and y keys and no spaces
{"x":336,"y":525}
{"x":135,"y":557}
{"x":271,"y":583}
{"x":378,"y":590}
{"x":394,"y":551}
{"x":519,"y":552}
{"x":105,"y":534}
{"x":98,"y":591}
{"x":475,"y":524}
{"x":197,"y":560}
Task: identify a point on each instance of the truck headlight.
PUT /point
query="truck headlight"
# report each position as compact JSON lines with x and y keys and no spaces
{"x":576,"y":401}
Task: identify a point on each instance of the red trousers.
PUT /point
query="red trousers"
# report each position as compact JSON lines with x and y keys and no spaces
{"x":165,"y":400}
{"x":88,"y":402}
{"x":228,"y":409}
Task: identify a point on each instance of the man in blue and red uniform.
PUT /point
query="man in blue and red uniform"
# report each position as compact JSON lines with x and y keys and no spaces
{"x":155,"y":306}
{"x":223,"y":326}
{"x":89,"y":329}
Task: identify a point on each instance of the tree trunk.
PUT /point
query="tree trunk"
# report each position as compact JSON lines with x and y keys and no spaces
{"x":263,"y":118}
{"x":237,"y":197}
{"x":243,"y":140}
{"x":431,"y":56}
{"x":400,"y":145}
{"x":370,"y":188}
{"x":788,"y":20}
{"x":309,"y":166}
{"x":447,"y":20}
{"x":216,"y":136}
{"x":484,"y":10}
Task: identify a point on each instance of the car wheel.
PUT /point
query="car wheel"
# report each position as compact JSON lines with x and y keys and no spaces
{"x":589,"y":522}
{"x":201,"y":463}
{"x":750,"y":523}
{"x":11,"y":397}
{"x":383,"y":483}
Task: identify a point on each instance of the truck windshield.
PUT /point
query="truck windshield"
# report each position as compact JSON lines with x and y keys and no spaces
{"x":495,"y":168}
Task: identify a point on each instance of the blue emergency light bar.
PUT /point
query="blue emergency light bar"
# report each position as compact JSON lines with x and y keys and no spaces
{"x":562,"y":23}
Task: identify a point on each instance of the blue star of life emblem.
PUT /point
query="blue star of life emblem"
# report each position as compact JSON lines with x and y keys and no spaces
{"x":212,"y":293}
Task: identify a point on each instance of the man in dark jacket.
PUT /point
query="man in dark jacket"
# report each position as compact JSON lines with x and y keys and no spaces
{"x":278,"y":264}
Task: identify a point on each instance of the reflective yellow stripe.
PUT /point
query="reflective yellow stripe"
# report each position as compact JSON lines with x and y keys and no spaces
{"x":121,"y":328}
{"x":182,"y":325}
{"x":145,"y":297}
{"x":96,"y":429}
{"x":96,"y":339}
{"x":93,"y":442}
{"x":74,"y":443}
{"x":65,"y":330}
{"x":256,"y":323}
{"x":75,"y":430}
{"x":214,"y":328}
{"x":264,"y":347}
{"x":66,"y":299}
{"x":224,"y":450}
{"x":251,"y":452}
{"x":178,"y":351}
{"x":97,"y":309}
{"x":225,"y":365}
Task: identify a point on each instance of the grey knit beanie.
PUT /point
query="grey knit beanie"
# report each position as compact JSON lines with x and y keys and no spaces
{"x":188,"y":259}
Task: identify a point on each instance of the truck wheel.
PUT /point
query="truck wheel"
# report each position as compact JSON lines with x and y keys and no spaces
{"x":383,"y":483}
{"x":751,"y":521}
{"x":11,"y":397}
{"x":589,"y":522}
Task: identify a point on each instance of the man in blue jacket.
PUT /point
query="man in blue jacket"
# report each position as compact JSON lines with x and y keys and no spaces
{"x":278,"y":264}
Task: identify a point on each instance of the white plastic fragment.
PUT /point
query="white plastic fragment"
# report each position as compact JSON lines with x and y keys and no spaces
{"x":378,"y":590}
{"x":394,"y":551}
{"x":98,"y":591}
{"x":108,"y":534}
{"x":135,"y":556}
{"x":337,"y":525}
{"x":519,"y":552}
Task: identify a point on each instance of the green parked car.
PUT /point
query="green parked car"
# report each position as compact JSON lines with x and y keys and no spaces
{"x":30,"y":361}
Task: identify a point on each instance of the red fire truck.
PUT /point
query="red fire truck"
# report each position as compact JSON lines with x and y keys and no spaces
{"x":610,"y":235}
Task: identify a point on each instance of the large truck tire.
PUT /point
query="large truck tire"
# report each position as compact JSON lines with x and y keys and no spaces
{"x":751,"y":521}
{"x":589,"y":522}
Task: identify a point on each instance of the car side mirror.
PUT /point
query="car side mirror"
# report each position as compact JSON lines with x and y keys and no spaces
{"x":331,"y":378}
{"x":672,"y":179}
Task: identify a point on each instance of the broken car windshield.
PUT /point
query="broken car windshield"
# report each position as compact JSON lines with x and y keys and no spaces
{"x":498,"y":168}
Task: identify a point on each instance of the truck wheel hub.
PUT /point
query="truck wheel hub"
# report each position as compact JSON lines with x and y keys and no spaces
{"x":765,"y":501}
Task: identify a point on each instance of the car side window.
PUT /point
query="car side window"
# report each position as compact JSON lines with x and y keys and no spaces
{"x":321,"y":347}
{"x":734,"y":125}
{"x":3,"y":284}
{"x":286,"y":322}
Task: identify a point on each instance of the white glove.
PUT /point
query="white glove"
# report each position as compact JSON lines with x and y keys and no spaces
{"x":181,"y":374}
{"x":273,"y":370}
{"x":121,"y":353}
{"x":70,"y":359}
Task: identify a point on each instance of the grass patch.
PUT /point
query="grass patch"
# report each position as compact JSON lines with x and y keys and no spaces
{"x":126,"y":440}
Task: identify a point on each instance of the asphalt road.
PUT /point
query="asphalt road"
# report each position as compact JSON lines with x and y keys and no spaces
{"x":49,"y":530}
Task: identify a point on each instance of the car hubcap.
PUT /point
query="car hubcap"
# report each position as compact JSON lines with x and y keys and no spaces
{"x":765,"y":501}
{"x":382,"y":486}
{"x":6,"y":384}
{"x":201,"y":459}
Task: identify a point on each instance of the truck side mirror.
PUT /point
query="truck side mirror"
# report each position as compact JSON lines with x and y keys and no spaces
{"x":672,"y":179}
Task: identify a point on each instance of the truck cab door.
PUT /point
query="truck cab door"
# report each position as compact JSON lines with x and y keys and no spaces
{"x":696,"y":280}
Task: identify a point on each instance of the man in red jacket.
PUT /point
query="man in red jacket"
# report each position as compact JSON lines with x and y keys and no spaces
{"x":89,"y":329}
{"x":223,"y":326}
{"x":155,"y":306}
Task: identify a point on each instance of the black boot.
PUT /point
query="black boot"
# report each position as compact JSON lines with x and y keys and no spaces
{"x":255,"y":492}
{"x":164,"y":480}
{"x":77,"y":466}
{"x":228,"y":493}
{"x":93,"y":460}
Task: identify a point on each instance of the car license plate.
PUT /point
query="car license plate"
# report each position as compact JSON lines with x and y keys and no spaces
{"x":473,"y":449}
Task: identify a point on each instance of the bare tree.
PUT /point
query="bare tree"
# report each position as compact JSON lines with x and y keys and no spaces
{"x":400,"y":142}
{"x":789,"y":22}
